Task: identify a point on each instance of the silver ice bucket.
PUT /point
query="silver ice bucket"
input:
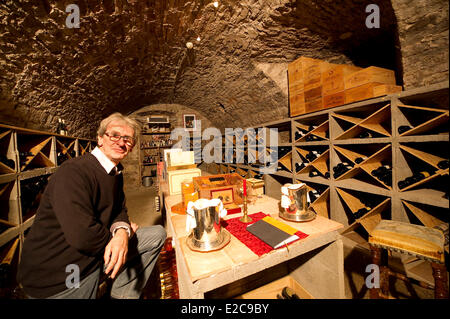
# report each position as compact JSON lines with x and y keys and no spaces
{"x":294,"y":203}
{"x":203,"y":222}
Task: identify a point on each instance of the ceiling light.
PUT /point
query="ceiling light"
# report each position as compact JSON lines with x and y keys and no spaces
{"x":189,"y":45}
{"x":216,"y":4}
{"x":198,"y":39}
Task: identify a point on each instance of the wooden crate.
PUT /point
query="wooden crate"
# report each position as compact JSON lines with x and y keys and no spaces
{"x":333,"y":76}
{"x":312,"y":72}
{"x":313,"y":105}
{"x":333,"y":100}
{"x":368,"y":75}
{"x":305,"y":78}
{"x":369,"y":90}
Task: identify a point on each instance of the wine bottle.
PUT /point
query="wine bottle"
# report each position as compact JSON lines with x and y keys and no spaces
{"x":61,"y":157}
{"x":403,"y":128}
{"x":299,"y":166}
{"x":59,"y":127}
{"x":299,"y":134}
{"x":314,"y":173}
{"x":311,"y":138}
{"x":443,"y":164}
{"x":64,"y":127}
{"x":361,"y":212}
{"x":341,"y":168}
{"x":360,"y":159}
{"x":416,"y":177}
{"x":313,"y":195}
{"x":365,"y":134}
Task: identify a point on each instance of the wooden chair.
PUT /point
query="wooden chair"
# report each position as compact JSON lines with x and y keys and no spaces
{"x":420,"y":241}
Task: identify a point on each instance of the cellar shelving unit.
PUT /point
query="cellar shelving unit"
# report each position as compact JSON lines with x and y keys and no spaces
{"x":28,"y":156}
{"x":338,"y":135}
{"x":159,"y":133}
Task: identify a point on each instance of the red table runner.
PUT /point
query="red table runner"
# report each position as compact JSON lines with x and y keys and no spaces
{"x":239,"y":230}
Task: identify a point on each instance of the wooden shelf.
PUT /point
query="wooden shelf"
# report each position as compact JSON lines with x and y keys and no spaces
{"x":426,"y":144}
{"x":44,"y":146}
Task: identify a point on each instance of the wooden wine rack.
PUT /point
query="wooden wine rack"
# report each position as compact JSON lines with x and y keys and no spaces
{"x":42,"y":149}
{"x":338,"y":134}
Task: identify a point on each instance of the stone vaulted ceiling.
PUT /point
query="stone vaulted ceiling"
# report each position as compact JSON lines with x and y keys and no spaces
{"x":129,"y":54}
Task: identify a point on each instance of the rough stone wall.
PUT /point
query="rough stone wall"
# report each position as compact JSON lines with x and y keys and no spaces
{"x":423,"y":37}
{"x":129,"y":54}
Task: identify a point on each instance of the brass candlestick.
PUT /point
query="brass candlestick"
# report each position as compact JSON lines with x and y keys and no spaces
{"x":245,"y":218}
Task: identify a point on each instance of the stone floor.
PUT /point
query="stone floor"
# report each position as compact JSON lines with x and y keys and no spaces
{"x":141,"y":209}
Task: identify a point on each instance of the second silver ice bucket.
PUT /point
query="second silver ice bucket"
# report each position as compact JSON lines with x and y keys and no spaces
{"x":294,"y":203}
{"x":203,"y":222}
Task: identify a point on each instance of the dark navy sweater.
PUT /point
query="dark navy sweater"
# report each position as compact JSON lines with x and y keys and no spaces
{"x":71,"y":226}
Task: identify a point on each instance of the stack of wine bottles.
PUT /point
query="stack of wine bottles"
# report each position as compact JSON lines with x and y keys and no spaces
{"x":31,"y":191}
{"x":64,"y":155}
{"x":314,"y":194}
{"x":368,"y":203}
{"x":61,"y":127}
{"x":365,"y":134}
{"x":342,"y":168}
{"x":168,"y":271}
{"x":283,"y":150}
{"x":8,"y":162}
{"x":416,"y":177}
{"x":299,"y":166}
{"x":443,"y":164}
{"x":24,"y":157}
{"x":315,"y":172}
{"x":301,"y":132}
{"x":312,"y":155}
{"x":384,"y":174}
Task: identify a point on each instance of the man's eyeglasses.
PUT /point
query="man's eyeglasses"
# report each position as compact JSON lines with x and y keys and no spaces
{"x":128,"y":140}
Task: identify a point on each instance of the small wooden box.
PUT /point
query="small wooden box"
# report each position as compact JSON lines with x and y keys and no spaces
{"x":174,"y":178}
{"x":333,"y":77}
{"x":313,"y":93}
{"x":257,"y":185}
{"x":368,"y":91}
{"x":296,"y":104}
{"x":368,"y":75}
{"x":333,"y":100}
{"x":312,"y":72}
{"x":224,"y":185}
{"x":313,"y":105}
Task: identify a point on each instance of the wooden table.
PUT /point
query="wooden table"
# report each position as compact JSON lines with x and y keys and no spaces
{"x":316,"y":263}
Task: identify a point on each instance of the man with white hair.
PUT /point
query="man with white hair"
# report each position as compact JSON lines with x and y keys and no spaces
{"x":82,"y":228}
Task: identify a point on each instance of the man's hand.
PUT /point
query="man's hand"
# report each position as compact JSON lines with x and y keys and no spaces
{"x":116,"y":252}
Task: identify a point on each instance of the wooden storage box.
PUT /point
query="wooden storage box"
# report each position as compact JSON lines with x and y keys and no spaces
{"x":257,"y":185}
{"x":174,"y":178}
{"x":368,"y":75}
{"x":180,"y":158}
{"x":296,"y":104}
{"x":369,"y":90}
{"x":333,"y":77}
{"x":220,"y":185}
{"x":305,"y":80}
{"x":333,"y":100}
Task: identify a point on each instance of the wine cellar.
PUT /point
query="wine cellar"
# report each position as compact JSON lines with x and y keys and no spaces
{"x":358,"y":156}
{"x":224,"y":149}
